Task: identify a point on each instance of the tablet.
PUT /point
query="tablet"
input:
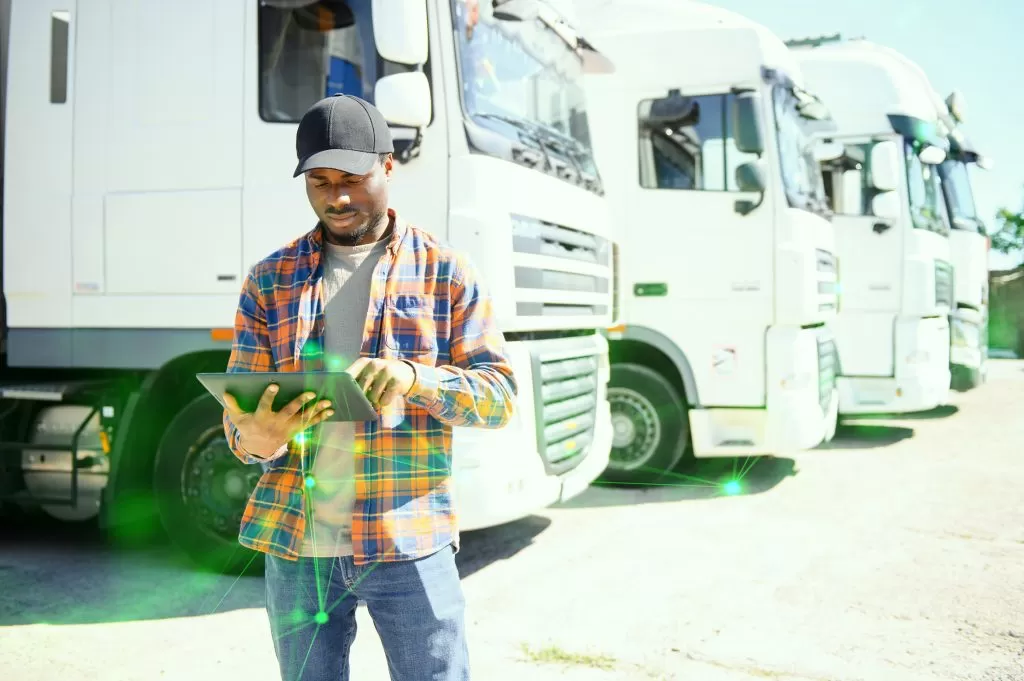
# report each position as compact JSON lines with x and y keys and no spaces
{"x":347,"y":399}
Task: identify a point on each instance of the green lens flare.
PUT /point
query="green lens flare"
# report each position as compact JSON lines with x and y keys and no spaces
{"x":732,"y":487}
{"x":320,"y":617}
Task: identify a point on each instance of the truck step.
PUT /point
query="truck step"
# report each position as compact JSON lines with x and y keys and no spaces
{"x":24,"y":497}
{"x":47,"y":392}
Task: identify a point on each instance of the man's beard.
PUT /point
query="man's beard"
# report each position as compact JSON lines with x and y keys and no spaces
{"x":352,"y":238}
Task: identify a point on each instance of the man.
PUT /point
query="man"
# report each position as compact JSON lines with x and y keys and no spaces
{"x":361,"y":511}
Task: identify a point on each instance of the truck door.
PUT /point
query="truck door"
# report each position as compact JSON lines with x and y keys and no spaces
{"x":869,"y":244}
{"x":38,"y":163}
{"x":704,"y":277}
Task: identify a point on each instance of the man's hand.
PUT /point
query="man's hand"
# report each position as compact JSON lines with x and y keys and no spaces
{"x":382,"y":380}
{"x":264,"y":431}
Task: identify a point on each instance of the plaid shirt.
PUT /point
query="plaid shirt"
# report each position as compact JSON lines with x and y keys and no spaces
{"x":427,"y":306}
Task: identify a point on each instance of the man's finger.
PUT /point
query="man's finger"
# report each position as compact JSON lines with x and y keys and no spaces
{"x":267,"y":400}
{"x":320,"y":414}
{"x":377,"y":388}
{"x":232,"y":405}
{"x":357,"y":366}
{"x":389,"y":394}
{"x":295,"y":406}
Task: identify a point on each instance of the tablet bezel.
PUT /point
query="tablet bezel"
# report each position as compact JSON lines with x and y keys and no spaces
{"x":347,"y":399}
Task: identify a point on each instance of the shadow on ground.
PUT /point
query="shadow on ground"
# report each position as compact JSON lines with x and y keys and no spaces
{"x":867,"y":436}
{"x":57,"y":573}
{"x":938,"y":413}
{"x":704,"y":478}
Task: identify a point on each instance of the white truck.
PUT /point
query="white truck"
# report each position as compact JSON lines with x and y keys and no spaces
{"x":892,"y":230}
{"x":724,"y":342}
{"x":969,"y":250}
{"x":148,"y":149}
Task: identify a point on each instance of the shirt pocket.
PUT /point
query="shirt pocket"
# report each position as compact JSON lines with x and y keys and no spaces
{"x":410,"y":329}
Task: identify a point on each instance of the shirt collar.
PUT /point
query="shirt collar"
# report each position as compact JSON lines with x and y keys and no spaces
{"x":315,"y":238}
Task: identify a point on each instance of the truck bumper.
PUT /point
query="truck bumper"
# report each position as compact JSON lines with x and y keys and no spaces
{"x":922,"y":375}
{"x":741,"y":432}
{"x":499,"y":475}
{"x":501,"y":487}
{"x":802,"y":402}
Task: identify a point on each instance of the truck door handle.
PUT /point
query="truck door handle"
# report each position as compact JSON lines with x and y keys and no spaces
{"x":880,"y":227}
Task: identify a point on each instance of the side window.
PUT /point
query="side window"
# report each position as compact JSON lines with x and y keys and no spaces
{"x":927,"y":207}
{"x":311,"y":52}
{"x":686,"y":143}
{"x":848,"y":183}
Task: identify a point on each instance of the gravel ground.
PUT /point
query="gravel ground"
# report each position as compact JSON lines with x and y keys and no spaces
{"x":895,"y":553}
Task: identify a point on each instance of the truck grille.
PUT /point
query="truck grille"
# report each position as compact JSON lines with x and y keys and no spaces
{"x":943,"y":283}
{"x":569,"y":290}
{"x":827,"y":368}
{"x":565,"y":379}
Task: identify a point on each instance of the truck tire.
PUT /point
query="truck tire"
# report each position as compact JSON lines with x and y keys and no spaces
{"x":965,"y":378}
{"x":201,"y":489}
{"x":650,"y":425}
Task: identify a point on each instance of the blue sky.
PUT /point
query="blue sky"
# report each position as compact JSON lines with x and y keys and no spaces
{"x":961,"y":46}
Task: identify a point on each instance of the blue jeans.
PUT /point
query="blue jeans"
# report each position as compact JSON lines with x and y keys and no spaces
{"x":417,"y":607}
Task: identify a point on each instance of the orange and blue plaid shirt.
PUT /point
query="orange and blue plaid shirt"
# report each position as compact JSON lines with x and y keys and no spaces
{"x":427,"y":306}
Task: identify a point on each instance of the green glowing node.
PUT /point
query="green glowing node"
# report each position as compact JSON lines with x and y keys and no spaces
{"x":320,"y":617}
{"x":334,"y":363}
{"x":300,"y":438}
{"x":310,"y":482}
{"x":732,"y":487}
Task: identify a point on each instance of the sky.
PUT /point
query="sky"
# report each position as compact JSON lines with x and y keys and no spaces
{"x":974,"y":47}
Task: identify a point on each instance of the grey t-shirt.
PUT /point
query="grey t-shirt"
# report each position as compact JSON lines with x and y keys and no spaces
{"x":348,"y":273}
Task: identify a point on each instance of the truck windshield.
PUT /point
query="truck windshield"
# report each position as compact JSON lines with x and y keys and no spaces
{"x":523,"y":74}
{"x":927,"y":207}
{"x":801,"y":174}
{"x":956,"y":187}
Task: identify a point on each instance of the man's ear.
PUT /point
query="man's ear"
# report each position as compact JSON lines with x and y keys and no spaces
{"x":389,"y":165}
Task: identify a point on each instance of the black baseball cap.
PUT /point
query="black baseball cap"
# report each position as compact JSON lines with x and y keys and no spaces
{"x":342,"y":132}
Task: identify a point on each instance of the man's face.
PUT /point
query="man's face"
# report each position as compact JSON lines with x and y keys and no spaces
{"x":349,"y":206}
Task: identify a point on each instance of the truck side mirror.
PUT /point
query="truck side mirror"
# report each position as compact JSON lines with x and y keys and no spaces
{"x":404,"y":99}
{"x":885,"y":166}
{"x":828,"y":150}
{"x":746,"y":123}
{"x":750,"y":178}
{"x":886,"y":205}
{"x":400,"y":30}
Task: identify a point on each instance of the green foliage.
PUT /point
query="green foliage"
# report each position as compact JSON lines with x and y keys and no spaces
{"x":1009,"y":238}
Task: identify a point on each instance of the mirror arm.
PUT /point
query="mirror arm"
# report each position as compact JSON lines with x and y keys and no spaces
{"x":410,"y":149}
{"x":745,"y":207}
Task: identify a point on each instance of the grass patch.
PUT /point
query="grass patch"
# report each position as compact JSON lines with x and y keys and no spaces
{"x":555,"y":655}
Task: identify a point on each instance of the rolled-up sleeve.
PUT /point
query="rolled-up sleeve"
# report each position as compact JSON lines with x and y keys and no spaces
{"x":478,"y":387}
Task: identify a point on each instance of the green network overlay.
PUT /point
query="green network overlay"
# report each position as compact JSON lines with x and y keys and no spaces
{"x":299,"y":618}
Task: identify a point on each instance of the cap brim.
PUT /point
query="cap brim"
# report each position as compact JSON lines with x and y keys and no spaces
{"x":345,"y":160}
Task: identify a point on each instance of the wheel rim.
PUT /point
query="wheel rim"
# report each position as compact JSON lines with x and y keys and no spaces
{"x":215,"y":485}
{"x":636,"y":429}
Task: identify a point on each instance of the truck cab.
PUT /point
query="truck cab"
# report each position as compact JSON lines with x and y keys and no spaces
{"x":147,"y":170}
{"x":704,"y":135}
{"x":969,"y":250}
{"x":892,"y":228}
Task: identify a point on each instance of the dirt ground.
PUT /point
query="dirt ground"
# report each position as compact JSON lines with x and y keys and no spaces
{"x":896,"y":553}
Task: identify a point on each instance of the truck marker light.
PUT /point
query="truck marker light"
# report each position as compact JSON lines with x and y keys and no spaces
{"x":105,"y":442}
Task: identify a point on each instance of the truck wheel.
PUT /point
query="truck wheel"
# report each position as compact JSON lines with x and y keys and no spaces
{"x":965,"y":378}
{"x":650,"y":425}
{"x":201,"y":489}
